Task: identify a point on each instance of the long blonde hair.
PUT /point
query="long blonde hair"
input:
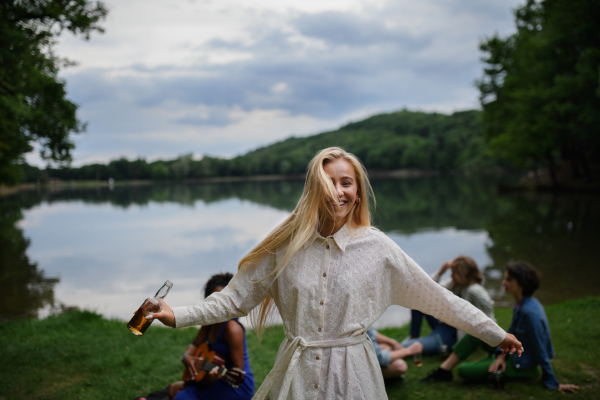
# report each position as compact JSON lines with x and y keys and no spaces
{"x":300,"y":226}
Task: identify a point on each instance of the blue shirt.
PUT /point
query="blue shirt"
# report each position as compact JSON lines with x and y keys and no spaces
{"x":530,"y":326}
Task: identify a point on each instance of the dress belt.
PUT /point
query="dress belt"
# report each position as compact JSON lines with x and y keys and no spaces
{"x":288,"y":360}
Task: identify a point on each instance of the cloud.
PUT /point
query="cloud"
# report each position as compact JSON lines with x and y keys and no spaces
{"x":357,"y":30}
{"x":226,"y":77}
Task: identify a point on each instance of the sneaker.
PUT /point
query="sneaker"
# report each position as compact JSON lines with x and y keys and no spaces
{"x":439,"y":375}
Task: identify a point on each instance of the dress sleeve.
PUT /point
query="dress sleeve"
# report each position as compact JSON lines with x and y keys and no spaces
{"x":480,"y":298}
{"x":237,"y":299}
{"x":412,"y":288}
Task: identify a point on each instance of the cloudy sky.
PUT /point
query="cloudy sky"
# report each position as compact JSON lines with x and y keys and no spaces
{"x":172,"y":77}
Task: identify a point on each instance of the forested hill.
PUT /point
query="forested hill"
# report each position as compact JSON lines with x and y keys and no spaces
{"x":403,"y":139}
{"x":398,"y":140}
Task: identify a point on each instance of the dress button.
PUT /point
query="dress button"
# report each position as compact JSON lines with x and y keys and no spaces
{"x":324,"y":274}
{"x":319,"y":329}
{"x":317,"y":357}
{"x":327,"y":246}
{"x":321,"y":302}
{"x":316,"y":386}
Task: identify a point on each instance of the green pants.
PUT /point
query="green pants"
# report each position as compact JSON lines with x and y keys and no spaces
{"x":478,"y":371}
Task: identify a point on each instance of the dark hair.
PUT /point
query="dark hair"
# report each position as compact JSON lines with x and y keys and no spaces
{"x":216,"y":280}
{"x":526,"y":275}
{"x":466,"y":268}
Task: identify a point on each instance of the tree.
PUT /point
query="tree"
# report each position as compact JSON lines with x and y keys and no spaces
{"x":33,"y":103}
{"x":540,"y":91}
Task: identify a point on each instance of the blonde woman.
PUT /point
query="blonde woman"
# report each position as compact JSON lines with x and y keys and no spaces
{"x":331,"y":275}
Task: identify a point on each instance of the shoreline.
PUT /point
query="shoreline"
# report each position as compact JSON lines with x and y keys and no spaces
{"x":525,"y":185}
{"x":56,"y":184}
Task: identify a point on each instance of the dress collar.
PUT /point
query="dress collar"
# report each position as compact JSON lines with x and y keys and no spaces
{"x":340,"y":238}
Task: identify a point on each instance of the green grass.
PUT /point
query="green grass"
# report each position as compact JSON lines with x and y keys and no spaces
{"x":79,"y":355}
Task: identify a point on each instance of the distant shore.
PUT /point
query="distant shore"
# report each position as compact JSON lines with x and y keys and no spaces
{"x":532,"y":181}
{"x":56,"y":184}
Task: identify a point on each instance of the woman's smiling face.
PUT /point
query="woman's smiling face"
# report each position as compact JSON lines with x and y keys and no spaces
{"x":343,"y":177}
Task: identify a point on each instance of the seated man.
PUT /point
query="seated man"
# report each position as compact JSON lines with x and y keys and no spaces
{"x":390,"y":354}
{"x":530,"y":326}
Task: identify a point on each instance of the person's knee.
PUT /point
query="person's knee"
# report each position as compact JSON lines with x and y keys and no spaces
{"x":396,"y":368}
{"x":175,"y":388}
{"x":465,"y":371}
{"x":385,"y":347}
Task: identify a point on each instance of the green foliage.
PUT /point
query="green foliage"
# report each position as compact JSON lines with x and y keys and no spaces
{"x":33,"y":106}
{"x":541,"y":91}
{"x":404,"y":139}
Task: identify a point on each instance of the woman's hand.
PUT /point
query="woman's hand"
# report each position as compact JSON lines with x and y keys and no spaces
{"x":447,"y":265}
{"x":165,"y":316}
{"x":414,"y":348}
{"x":212,"y":376}
{"x":396,"y":345}
{"x":500,"y":362}
{"x":567,"y":388}
{"x":190,"y":365}
{"x":511,"y":345}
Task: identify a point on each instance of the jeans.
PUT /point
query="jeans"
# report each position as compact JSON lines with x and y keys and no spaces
{"x":431,"y":342}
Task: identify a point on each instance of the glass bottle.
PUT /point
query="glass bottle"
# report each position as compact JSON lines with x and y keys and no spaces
{"x":138,"y":324}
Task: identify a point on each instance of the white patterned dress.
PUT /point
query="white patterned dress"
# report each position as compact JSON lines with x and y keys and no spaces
{"x":329,"y":294}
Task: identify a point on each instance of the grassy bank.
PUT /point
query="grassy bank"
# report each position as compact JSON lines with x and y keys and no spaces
{"x":80,"y":355}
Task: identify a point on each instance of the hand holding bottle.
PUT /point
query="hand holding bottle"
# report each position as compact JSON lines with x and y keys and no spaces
{"x":143,"y":316}
{"x":165,"y":316}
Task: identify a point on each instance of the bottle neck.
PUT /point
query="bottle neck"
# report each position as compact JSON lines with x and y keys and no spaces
{"x":163,"y":291}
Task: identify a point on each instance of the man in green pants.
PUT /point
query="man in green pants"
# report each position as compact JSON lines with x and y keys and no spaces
{"x":530,"y":326}
{"x":480,"y":371}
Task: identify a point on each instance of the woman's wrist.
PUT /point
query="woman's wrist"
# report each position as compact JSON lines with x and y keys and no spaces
{"x":189,"y":351}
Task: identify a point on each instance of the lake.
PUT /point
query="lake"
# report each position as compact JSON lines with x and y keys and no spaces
{"x":107,"y":248}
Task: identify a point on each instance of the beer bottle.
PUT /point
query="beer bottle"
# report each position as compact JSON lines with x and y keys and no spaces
{"x":138,"y":324}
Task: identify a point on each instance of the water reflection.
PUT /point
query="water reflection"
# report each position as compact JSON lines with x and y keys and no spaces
{"x":25,"y":288}
{"x":559,"y":235}
{"x":110,"y":247}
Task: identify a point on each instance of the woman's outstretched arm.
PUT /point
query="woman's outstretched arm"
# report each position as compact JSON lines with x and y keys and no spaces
{"x":411,"y":287}
{"x":241,"y":295}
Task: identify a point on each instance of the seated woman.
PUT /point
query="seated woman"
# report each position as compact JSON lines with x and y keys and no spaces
{"x":228,"y":339}
{"x":465,"y":282}
{"x":530,"y":326}
{"x":390,"y":354}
